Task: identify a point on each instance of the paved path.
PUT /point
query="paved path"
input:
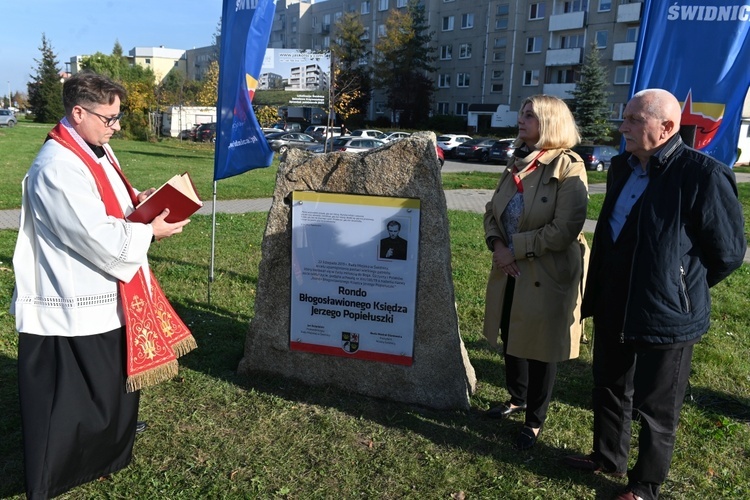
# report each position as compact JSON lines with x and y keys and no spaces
{"x":469,"y":200}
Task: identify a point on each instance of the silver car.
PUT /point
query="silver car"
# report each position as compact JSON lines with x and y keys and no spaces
{"x":7,"y":118}
{"x":356,"y":144}
{"x":282,"y":141}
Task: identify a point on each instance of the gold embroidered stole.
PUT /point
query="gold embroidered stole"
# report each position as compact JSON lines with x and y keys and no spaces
{"x":155,"y":335}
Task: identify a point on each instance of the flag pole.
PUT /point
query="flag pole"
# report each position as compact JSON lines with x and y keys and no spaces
{"x":213,"y":243}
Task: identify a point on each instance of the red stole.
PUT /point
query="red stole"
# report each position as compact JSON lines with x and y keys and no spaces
{"x":155,"y":335}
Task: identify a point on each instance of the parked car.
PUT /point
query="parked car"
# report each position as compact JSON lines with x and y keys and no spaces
{"x":596,"y":157}
{"x":440,"y":155}
{"x":449,"y":142}
{"x":323,"y":147}
{"x":475,"y":149}
{"x":356,"y":144}
{"x":502,"y":151}
{"x":377,"y":134}
{"x":290,"y":126}
{"x":206,"y":132}
{"x":7,"y":118}
{"x":282,"y":141}
{"x":395,"y":136}
{"x":320,"y":132}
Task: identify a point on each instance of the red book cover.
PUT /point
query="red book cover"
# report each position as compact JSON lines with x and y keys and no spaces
{"x":178,"y":194}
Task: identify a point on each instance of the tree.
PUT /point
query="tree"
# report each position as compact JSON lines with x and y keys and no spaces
{"x":351,"y":83}
{"x":45,"y":88}
{"x":591,"y":105}
{"x":209,"y":92}
{"x":403,"y":64}
{"x":139,"y":82}
{"x":266,"y":115}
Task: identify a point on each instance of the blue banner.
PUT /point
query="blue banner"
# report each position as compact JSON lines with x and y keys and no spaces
{"x":240,"y":143}
{"x":700,"y":52}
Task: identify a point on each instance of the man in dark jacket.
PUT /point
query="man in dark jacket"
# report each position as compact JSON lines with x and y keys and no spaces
{"x":671,"y":226}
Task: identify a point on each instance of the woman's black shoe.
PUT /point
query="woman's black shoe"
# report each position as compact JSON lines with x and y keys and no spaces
{"x":504,"y":410}
{"x":140,"y":426}
{"x":527,"y":439}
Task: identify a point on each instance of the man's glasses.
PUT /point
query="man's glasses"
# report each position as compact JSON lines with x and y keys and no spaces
{"x":107,"y":120}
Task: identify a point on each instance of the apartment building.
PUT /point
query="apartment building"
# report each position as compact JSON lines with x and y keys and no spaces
{"x":490,"y":54}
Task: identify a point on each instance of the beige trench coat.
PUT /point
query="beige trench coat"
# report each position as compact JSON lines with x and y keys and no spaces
{"x":551,"y":253}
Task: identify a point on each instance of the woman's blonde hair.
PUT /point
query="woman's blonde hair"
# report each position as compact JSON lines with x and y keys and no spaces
{"x":557,"y":127}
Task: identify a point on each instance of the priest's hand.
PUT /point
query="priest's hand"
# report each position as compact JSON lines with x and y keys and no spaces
{"x":163,"y":229}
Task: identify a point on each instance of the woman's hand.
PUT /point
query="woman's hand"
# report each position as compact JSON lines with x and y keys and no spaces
{"x":504,"y":259}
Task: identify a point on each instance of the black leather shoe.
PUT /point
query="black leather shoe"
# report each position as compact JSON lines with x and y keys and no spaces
{"x":527,"y":438}
{"x":504,"y":410}
{"x":140,"y":426}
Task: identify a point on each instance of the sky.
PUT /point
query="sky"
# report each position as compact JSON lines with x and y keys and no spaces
{"x":83,"y":27}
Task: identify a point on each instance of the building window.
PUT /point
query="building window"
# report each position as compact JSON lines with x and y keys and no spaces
{"x":444,"y":108}
{"x":326,"y":42}
{"x":496,"y":87}
{"x":533,"y":45}
{"x":561,"y":76}
{"x":448,"y":23}
{"x":574,"y":6}
{"x":463,"y":79}
{"x":365,"y":9}
{"x":464,"y":51}
{"x":148,"y":61}
{"x":498,"y":74}
{"x":444,"y":80}
{"x":615,"y":110}
{"x":605,"y":5}
{"x":381,"y":30}
{"x":467,"y":21}
{"x":623,"y":75}
{"x":401,"y":3}
{"x":503,"y":9}
{"x":601,"y":39}
{"x":379,"y":107}
{"x":632,"y":34}
{"x":531,"y":78}
{"x":501,"y":42}
{"x":382,"y":5}
{"x":446,"y":52}
{"x":536,"y":11}
{"x":572,"y":41}
{"x":462,"y":108}
{"x":498,"y":56}
{"x":501,"y":24}
{"x":366,"y":33}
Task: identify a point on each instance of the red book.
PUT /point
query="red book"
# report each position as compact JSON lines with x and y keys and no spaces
{"x":178,"y":194}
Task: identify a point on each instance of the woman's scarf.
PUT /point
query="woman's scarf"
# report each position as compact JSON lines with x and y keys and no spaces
{"x":155,"y":335}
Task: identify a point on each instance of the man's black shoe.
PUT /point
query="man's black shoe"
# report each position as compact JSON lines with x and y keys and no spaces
{"x":504,"y":410}
{"x":140,"y":426}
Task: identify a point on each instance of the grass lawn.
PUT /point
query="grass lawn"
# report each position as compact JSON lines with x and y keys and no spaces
{"x":214,"y":434}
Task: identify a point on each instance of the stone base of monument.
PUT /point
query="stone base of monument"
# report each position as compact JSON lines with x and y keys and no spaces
{"x":440,"y":375}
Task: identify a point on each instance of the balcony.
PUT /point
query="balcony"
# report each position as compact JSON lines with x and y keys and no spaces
{"x":629,"y":12}
{"x":563,"y":57}
{"x":624,"y":51}
{"x":570,"y":21}
{"x":561,"y":90}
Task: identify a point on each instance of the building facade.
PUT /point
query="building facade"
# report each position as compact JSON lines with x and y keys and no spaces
{"x":493,"y":54}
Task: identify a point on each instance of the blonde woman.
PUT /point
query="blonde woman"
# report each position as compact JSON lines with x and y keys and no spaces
{"x":533,"y":228}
